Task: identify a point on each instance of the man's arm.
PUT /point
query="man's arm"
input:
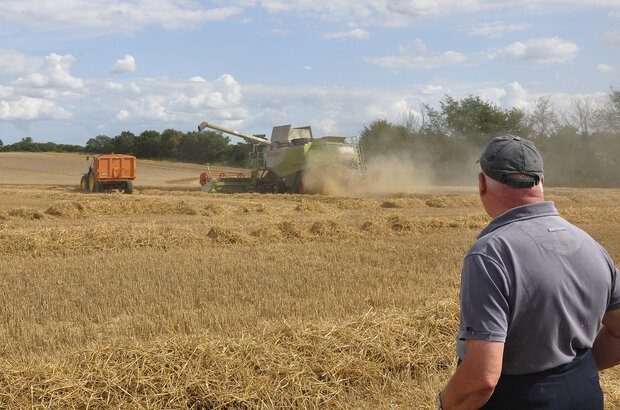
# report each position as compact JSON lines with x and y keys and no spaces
{"x":476,"y":377}
{"x":606,"y":348}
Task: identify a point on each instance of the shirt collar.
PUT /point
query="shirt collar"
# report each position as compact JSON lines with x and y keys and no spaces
{"x":520,"y":213}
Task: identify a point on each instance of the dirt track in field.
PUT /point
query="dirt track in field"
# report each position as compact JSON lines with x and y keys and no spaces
{"x":25,"y":168}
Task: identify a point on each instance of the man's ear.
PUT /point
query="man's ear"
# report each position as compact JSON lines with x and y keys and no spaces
{"x":482,"y":184}
{"x":542,"y":180}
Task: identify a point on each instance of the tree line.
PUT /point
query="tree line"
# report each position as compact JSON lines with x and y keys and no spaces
{"x":580,"y":146}
{"x":197,"y":147}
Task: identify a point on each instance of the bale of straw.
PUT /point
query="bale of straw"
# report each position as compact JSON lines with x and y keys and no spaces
{"x":311,"y":207}
{"x":330,"y":228}
{"x":226,"y":235}
{"x":391,"y":204}
{"x":26,"y":213}
{"x":214,"y":209}
{"x":67,"y":209}
{"x":268,"y":231}
{"x":376,"y":226}
{"x":254,"y":207}
{"x":290,"y":230}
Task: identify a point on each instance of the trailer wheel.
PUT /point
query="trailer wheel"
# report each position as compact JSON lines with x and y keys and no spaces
{"x":129,"y":187}
{"x":97,"y":186}
{"x":84,"y":183}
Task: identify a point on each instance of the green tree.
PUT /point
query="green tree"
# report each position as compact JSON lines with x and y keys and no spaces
{"x":478,"y":121}
{"x":101,"y":144}
{"x":202,"y":147}
{"x":124,"y":143}
{"x":381,"y":137}
{"x":543,"y":121}
{"x":148,"y":144}
{"x":169,"y":140}
{"x":239,"y":154}
{"x":608,"y":117}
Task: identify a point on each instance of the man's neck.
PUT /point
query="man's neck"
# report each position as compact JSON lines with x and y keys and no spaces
{"x":508,"y":201}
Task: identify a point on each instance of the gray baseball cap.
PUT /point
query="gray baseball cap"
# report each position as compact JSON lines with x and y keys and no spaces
{"x":510,"y":154}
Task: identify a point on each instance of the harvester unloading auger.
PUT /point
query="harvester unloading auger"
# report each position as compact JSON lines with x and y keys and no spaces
{"x":292,"y":161}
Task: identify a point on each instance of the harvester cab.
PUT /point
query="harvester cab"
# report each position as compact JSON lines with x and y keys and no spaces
{"x":285,"y":162}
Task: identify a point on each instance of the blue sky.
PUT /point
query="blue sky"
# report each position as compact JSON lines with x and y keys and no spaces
{"x":74,"y":69}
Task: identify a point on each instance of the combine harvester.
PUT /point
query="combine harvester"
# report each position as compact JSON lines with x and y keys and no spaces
{"x":291,"y":162}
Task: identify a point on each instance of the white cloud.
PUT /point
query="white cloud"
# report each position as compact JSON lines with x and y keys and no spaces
{"x":52,"y":71}
{"x":417,"y":8}
{"x":166,"y":100}
{"x":552,"y":50}
{"x":14,"y":63}
{"x":130,"y":16}
{"x":280,"y":32}
{"x":113,"y":86}
{"x":432,"y":89}
{"x":308,"y":68}
{"x":26,"y":108}
{"x":402,"y":13}
{"x":123,"y":15}
{"x":126,"y":65}
{"x":134,"y":88}
{"x":612,"y":38}
{"x":197,"y":79}
{"x":422,"y":8}
{"x":356,"y":34}
{"x":492,"y":94}
{"x":605,"y":68}
{"x":496,"y":29}
{"x":516,"y":96}
{"x":5,"y":92}
{"x":122,"y":115}
{"x":418,"y":58}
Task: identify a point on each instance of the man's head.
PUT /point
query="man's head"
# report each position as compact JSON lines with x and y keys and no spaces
{"x":507,"y":156}
{"x":512,"y":174}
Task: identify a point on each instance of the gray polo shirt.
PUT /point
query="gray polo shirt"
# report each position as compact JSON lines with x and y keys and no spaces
{"x":537,"y":283}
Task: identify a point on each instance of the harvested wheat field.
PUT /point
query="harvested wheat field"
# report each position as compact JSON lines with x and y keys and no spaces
{"x":172,"y":298}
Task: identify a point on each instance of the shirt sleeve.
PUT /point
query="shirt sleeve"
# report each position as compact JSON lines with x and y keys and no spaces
{"x":614,"y":301}
{"x":485,"y":310}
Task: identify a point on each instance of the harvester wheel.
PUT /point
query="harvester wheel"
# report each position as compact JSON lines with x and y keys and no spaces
{"x":84,"y":183}
{"x":300,"y":188}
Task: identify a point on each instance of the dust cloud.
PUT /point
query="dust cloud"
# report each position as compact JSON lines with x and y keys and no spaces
{"x":383,"y":174}
{"x":390,"y":173}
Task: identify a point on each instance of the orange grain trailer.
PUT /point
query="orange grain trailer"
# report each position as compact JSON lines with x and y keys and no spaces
{"x":111,"y":171}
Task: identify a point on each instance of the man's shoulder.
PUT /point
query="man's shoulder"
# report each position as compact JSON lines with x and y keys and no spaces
{"x":516,"y":234}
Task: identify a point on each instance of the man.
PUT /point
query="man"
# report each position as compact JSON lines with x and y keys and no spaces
{"x":534,"y":292}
